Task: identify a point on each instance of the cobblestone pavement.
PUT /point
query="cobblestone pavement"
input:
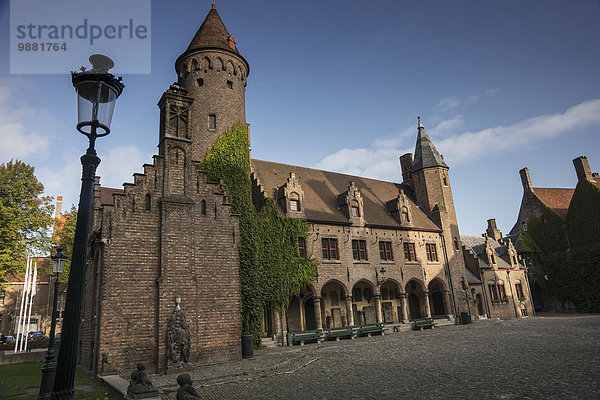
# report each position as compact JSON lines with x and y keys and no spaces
{"x":555,"y":357}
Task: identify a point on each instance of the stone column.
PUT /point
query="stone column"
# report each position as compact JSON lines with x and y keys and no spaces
{"x":378,"y":307}
{"x":426,"y":300}
{"x":349,"y":312}
{"x":447,"y":303}
{"x":404,"y":307}
{"x":317,"y":303}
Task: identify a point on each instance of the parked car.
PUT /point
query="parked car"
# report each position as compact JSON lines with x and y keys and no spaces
{"x":37,"y":334}
{"x":9,"y":337}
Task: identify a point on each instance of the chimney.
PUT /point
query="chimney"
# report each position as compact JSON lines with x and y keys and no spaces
{"x":406,"y":163}
{"x":526,"y":180}
{"x":582,"y":168}
{"x":492,"y":231}
{"x":58,"y":211}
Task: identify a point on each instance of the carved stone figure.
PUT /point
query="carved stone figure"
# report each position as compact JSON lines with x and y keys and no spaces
{"x":178,"y":338}
{"x":107,"y":368}
{"x":186,"y":391}
{"x":140,"y":386}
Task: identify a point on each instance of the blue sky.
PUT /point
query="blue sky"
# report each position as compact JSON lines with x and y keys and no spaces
{"x":338,"y":85}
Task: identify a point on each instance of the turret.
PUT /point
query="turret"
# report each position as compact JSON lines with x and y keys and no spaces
{"x":213,"y":73}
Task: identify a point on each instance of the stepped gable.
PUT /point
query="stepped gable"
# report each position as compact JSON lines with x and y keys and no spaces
{"x":558,"y":199}
{"x":321,"y":190}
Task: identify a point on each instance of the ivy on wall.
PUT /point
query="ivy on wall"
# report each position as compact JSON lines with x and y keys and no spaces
{"x":271,"y":268}
{"x":566,"y":254}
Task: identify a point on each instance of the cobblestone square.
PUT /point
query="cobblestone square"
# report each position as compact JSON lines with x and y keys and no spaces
{"x":556,"y":357}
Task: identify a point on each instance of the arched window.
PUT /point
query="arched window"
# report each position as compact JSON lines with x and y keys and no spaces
{"x":404,"y":215}
{"x":203,"y":207}
{"x":148,"y":202}
{"x":294,"y":202}
{"x":354,"y":209}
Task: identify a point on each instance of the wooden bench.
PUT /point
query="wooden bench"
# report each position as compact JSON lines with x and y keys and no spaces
{"x":369,"y":329}
{"x":337,"y":333}
{"x":305,"y":336}
{"x":420,"y":323}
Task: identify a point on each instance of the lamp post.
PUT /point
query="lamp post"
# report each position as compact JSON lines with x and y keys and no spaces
{"x":58,"y":265}
{"x":97,"y":91}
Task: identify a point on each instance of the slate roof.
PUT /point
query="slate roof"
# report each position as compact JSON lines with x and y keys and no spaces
{"x":106,"y":195}
{"x":321,"y":190}
{"x":472,"y":279}
{"x":426,"y":155}
{"x":477,"y":246}
{"x":212,"y":34}
{"x":558,"y":199}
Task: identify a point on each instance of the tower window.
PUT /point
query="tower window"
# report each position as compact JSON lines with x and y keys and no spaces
{"x":229,"y":84}
{"x":199,"y":82}
{"x":212,"y":122}
{"x":445,"y":181}
{"x":203,"y":207}
{"x":148,"y":202}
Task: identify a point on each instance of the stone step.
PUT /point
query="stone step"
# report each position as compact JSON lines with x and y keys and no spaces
{"x":269,"y":342}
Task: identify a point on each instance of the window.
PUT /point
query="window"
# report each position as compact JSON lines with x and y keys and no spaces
{"x":148,"y":202}
{"x":404,"y":215}
{"x":359,"y":250}
{"x":524,"y":225}
{"x":199,"y":82}
{"x":514,"y":260}
{"x":385,"y":251}
{"x":212,"y":121}
{"x":409,"y":252}
{"x":302,"y":247}
{"x":2,"y":296}
{"x":445,"y":181}
{"x":493,"y":292}
{"x":492,"y":258}
{"x":229,"y":85}
{"x":203,"y":207}
{"x":456,"y":247}
{"x":294,"y":202}
{"x":501,"y":291}
{"x":355,"y":212}
{"x":519,"y":290}
{"x":431,"y":252}
{"x":330,"y":249}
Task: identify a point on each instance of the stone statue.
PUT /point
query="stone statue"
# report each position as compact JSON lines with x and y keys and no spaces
{"x":186,"y":391}
{"x":178,"y":338}
{"x":140,"y":386}
{"x":107,"y":368}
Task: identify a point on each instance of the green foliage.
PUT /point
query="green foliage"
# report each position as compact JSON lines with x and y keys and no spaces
{"x":25,"y":216}
{"x":271,"y":269}
{"x":566,"y":254}
{"x":64,"y":236}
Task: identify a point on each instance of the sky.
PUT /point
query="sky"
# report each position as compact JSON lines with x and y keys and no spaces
{"x":338,"y":85}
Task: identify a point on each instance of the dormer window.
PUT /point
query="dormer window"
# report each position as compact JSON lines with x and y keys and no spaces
{"x":294,"y":202}
{"x":355,"y":211}
{"x":404,"y":215}
{"x":492,"y":258}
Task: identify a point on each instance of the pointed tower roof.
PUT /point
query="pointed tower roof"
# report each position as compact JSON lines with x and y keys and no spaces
{"x":213,"y":34}
{"x":426,"y":155}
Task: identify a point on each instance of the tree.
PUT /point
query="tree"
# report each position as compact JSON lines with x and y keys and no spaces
{"x":64,"y":236}
{"x":25,"y":216}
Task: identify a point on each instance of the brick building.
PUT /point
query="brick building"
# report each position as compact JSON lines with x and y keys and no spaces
{"x":168,"y":243}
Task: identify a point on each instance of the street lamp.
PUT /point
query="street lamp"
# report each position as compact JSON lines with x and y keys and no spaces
{"x":58,"y":266}
{"x":97,"y":90}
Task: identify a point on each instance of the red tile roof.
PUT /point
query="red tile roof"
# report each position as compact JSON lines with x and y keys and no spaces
{"x":106,"y":195}
{"x":558,"y":199}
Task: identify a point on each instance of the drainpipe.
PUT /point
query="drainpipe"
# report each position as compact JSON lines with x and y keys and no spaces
{"x":512,"y":294}
{"x":447,"y":267}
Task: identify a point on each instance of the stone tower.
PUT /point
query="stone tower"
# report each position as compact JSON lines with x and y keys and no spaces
{"x":428,"y":176}
{"x":212,"y":74}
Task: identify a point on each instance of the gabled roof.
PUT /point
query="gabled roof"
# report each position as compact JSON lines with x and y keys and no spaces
{"x":477,"y":245}
{"x":321,"y":190}
{"x":558,"y":199}
{"x":212,"y":34}
{"x":426,"y":155}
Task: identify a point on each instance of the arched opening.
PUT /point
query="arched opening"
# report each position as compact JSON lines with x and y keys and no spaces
{"x":203,"y":207}
{"x":363,"y":303}
{"x":391,"y":307}
{"x":333,"y":310}
{"x":309,"y":314}
{"x":414,"y":295}
{"x":300,"y":314}
{"x":436,"y":298}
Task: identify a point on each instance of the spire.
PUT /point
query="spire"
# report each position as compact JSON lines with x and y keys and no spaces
{"x":426,"y":155}
{"x":213,"y":34}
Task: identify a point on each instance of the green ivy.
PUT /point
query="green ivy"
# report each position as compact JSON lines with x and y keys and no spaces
{"x":566,"y":254}
{"x":271,"y":268}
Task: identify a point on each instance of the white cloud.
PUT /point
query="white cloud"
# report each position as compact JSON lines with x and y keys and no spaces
{"x":120,"y":163}
{"x":380,"y":160}
{"x":451,"y":103}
